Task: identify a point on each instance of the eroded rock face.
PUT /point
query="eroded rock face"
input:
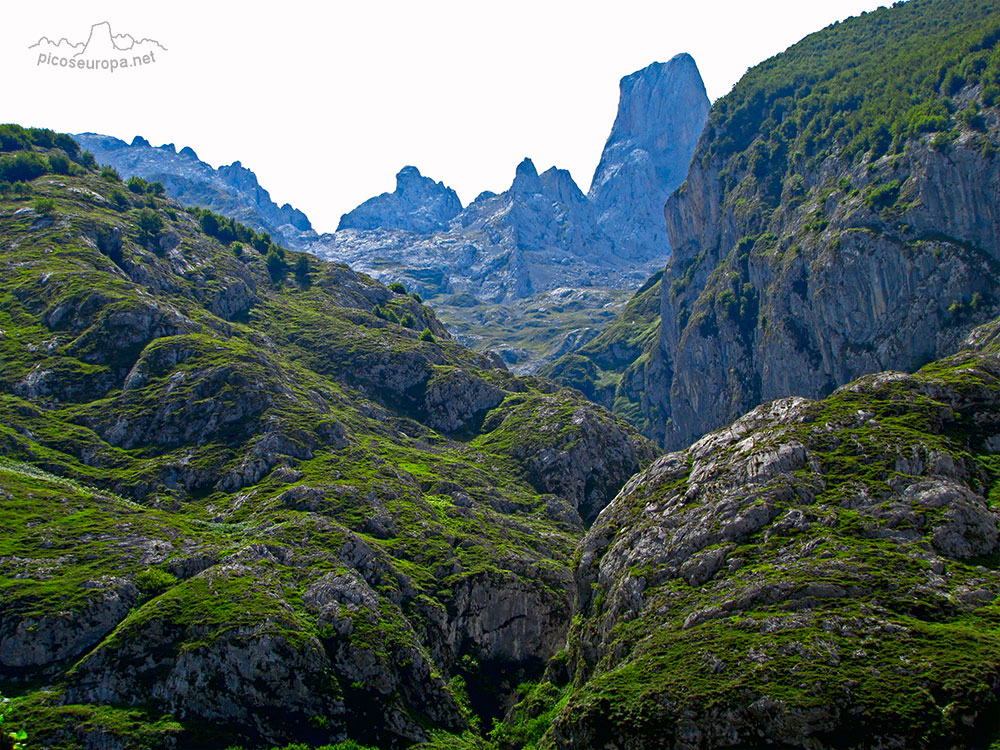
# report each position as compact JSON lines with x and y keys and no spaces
{"x":419,"y":204}
{"x":842,"y":534}
{"x":661,"y":113}
{"x":794,"y":276}
{"x":48,"y":639}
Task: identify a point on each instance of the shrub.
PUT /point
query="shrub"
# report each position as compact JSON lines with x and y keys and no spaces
{"x":407,"y":320}
{"x":13,"y":138}
{"x":426,"y":335}
{"x":23,"y":189}
{"x":397,"y":288}
{"x":417,"y":297}
{"x":110,"y":174}
{"x":153,"y":581}
{"x":238,"y":249}
{"x":23,"y":167}
{"x":87,"y":160}
{"x":13,"y":740}
{"x":59,"y":162}
{"x":302,"y":268}
{"x":209,"y":223}
{"x":45,"y":206}
{"x":883,"y":196}
{"x":261,"y":242}
{"x":119,"y":199}
{"x":150,"y":225}
{"x":137,"y":185}
{"x":275,"y":264}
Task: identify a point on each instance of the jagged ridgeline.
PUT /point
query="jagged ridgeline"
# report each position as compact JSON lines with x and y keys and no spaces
{"x":250,"y":497}
{"x":840,"y":217}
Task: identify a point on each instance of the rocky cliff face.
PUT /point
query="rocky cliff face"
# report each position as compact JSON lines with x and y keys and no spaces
{"x":246,"y":506}
{"x":661,"y":113}
{"x":873,"y":289}
{"x":231,"y":190}
{"x":543,"y":233}
{"x":809,"y":247}
{"x":417,"y":205}
{"x":819,"y":574}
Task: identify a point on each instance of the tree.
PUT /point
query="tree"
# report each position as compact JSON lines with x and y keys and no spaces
{"x":119,"y":199}
{"x":137,"y":185}
{"x":302,"y":269}
{"x":397,"y":288}
{"x":209,"y":223}
{"x":150,"y":225}
{"x":426,"y":335}
{"x":59,"y":162}
{"x":23,"y":167}
{"x":275,"y":264}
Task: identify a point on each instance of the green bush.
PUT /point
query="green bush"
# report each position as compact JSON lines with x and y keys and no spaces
{"x":275,"y":264}
{"x":397,"y":288}
{"x":22,"y":189}
{"x":110,"y":174}
{"x":426,"y":335}
{"x":59,"y":163}
{"x":302,"y":268}
{"x":137,"y":185}
{"x":209,"y":223}
{"x":883,"y":196}
{"x":153,"y":581}
{"x":10,"y":739}
{"x":22,"y":167}
{"x":119,"y":199}
{"x":45,"y":206}
{"x":150,"y":225}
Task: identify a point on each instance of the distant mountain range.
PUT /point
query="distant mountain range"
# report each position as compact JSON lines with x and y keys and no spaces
{"x":525,"y":250}
{"x":230,"y":190}
{"x":543,"y":233}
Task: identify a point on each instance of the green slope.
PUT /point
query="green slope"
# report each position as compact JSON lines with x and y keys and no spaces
{"x":246,"y":505}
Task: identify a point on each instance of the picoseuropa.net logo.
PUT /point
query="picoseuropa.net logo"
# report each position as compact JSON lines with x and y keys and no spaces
{"x":103,"y":51}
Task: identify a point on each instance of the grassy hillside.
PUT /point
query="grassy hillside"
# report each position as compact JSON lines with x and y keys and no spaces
{"x":253,"y":497}
{"x":820,"y":574}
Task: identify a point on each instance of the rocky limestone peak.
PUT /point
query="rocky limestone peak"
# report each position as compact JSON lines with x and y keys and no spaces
{"x":140,"y":141}
{"x":188,"y":152}
{"x":559,"y":185}
{"x":662,"y":111}
{"x":526,"y":180}
{"x":418,"y":204}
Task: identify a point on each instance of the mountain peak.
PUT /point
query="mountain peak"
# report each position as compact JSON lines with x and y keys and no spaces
{"x":526,"y":180}
{"x":418,"y":204}
{"x":662,"y":110}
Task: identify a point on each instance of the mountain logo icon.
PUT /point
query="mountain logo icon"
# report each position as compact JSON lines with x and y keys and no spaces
{"x":102,"y":50}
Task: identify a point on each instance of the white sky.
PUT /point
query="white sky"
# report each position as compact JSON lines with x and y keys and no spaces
{"x":326,"y":101}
